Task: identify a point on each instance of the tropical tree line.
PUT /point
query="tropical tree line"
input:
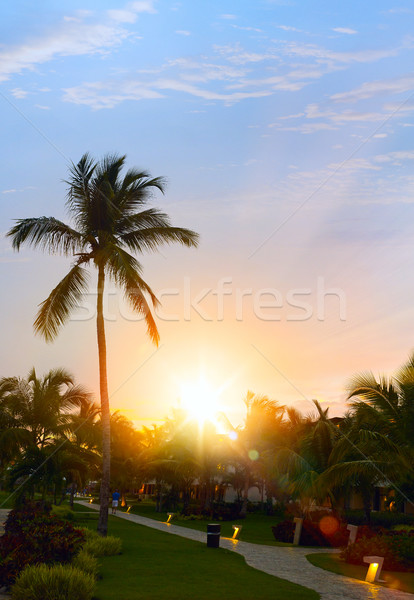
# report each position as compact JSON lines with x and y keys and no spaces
{"x":51,"y":443}
{"x":52,"y":435}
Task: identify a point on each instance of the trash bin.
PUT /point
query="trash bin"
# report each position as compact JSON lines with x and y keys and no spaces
{"x":213,"y":535}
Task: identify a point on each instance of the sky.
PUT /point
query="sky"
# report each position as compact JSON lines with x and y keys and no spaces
{"x":284,"y":131}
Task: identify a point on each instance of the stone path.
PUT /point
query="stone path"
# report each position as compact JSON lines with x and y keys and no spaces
{"x":284,"y":562}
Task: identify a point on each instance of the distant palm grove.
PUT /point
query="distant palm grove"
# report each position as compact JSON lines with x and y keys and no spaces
{"x":51,"y":443}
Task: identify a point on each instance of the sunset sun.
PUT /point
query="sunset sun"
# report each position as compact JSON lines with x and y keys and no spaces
{"x":200,"y":400}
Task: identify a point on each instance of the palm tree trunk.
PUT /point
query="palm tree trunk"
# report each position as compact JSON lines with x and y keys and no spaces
{"x":72,"y":493}
{"x":105,"y":414}
{"x":243,"y":510}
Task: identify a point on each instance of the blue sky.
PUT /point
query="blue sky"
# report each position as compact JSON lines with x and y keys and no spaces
{"x":284,"y":130}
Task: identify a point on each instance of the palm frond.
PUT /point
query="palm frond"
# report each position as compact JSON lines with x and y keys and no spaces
{"x":124,"y":269}
{"x":150,"y":238}
{"x":55,"y":310}
{"x":150,"y":217}
{"x":79,"y":185}
{"x":290,"y":462}
{"x":108,"y":170}
{"x":339,"y":474}
{"x":137,"y":189}
{"x":47,"y":233}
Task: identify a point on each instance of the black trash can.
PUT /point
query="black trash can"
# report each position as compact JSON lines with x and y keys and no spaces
{"x":213,"y":535}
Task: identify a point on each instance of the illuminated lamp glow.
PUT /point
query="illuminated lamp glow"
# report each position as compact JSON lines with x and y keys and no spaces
{"x":374,"y":569}
{"x":237,"y":529}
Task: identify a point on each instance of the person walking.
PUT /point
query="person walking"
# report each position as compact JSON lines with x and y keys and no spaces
{"x":115,"y":500}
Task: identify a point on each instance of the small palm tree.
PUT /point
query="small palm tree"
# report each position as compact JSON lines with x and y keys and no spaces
{"x":41,"y":406}
{"x":110,"y":221}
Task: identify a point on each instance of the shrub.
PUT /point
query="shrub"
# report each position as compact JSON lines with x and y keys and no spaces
{"x":103,"y":546}
{"x":188,"y":517}
{"x":89,"y":533}
{"x":284,"y":531}
{"x":59,"y":582}
{"x":86,"y":563}
{"x":382,"y":519}
{"x":63,"y":512}
{"x":226,"y":511}
{"x":33,"y":536}
{"x":24,"y":515}
{"x":312,"y":534}
{"x":397,"y":548}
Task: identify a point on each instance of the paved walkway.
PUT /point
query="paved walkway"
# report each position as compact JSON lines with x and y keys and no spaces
{"x":284,"y":562}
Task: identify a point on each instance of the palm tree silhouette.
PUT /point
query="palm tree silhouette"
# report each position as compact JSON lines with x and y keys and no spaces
{"x":110,"y":221}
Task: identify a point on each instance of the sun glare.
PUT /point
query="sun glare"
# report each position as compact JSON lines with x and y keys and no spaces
{"x":200,"y":400}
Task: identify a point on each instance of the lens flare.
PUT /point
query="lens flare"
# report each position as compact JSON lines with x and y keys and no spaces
{"x":328,"y":525}
{"x":253,"y":454}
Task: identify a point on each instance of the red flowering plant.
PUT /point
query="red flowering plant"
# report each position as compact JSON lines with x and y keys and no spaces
{"x":33,"y":536}
{"x":397,"y":548}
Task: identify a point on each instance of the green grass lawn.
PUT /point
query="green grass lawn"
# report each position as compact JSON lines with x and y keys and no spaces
{"x":156,"y":566}
{"x":393,"y":579}
{"x":256,"y":527}
{"x":6,"y":500}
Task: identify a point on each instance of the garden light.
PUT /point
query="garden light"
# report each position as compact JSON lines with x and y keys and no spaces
{"x":298,"y":529}
{"x":170,"y":516}
{"x":374,"y":569}
{"x":90,"y":501}
{"x":237,"y":529}
{"x":353,"y":531}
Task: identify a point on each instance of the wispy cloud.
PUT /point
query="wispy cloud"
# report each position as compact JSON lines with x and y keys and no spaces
{"x":325,"y":55}
{"x":395,"y":157}
{"x":14,"y":190}
{"x":255,"y":29}
{"x":129,"y":14}
{"x":289,"y":28}
{"x":18,"y":93}
{"x":305,"y":128}
{"x":345,"y":30}
{"x":81,"y":34}
{"x":382,"y":87}
{"x":101,"y":95}
{"x":183,"y":32}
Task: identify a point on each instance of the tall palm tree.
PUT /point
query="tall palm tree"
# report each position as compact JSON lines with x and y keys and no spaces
{"x":110,"y":221}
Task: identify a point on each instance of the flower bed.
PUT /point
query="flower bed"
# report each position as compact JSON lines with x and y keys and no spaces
{"x":33,"y":536}
{"x":397,"y":548}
